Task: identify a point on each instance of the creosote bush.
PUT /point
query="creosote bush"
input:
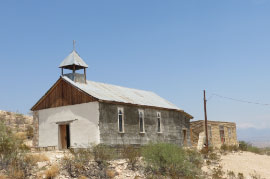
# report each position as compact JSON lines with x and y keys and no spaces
{"x":244,"y":146}
{"x":231,"y":175}
{"x":12,"y":154}
{"x":75,"y":163}
{"x":228,"y":148}
{"x":240,"y":176}
{"x":172,"y":161}
{"x":102,"y":154}
{"x":94,"y":157}
{"x":204,"y":151}
{"x":132,"y":155}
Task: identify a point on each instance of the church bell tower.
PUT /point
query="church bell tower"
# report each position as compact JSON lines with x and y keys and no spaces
{"x":74,"y":63}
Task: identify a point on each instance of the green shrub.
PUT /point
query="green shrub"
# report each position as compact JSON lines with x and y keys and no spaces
{"x":80,"y":162}
{"x":132,"y":155}
{"x":171,"y":160}
{"x":266,"y":151}
{"x":228,"y":148}
{"x":231,"y":174}
{"x":102,"y":154}
{"x":76,"y":162}
{"x":240,"y":176}
{"x":254,"y":149}
{"x":213,"y":156}
{"x":244,"y":146}
{"x":224,"y":147}
{"x":205,"y":151}
{"x":12,"y":154}
{"x":233,"y":148}
{"x":194,"y":157}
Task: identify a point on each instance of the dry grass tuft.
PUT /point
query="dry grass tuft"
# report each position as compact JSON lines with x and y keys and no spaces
{"x":52,"y":172}
{"x":82,"y":177}
{"x":111,"y":173}
{"x":16,"y":173}
{"x":34,"y":158}
{"x":21,"y":135}
{"x":3,"y":176}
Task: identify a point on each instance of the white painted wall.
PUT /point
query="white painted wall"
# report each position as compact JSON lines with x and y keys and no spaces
{"x":83,"y":131}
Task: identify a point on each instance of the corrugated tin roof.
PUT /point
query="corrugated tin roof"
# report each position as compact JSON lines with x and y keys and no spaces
{"x":73,"y":59}
{"x":115,"y":93}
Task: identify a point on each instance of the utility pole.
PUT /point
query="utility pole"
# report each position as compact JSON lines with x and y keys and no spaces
{"x":205,"y":120}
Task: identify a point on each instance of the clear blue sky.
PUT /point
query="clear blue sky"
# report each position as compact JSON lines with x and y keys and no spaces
{"x":174,"y":48}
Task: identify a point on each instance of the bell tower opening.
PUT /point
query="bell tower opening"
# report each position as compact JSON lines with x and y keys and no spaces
{"x":74,"y":63}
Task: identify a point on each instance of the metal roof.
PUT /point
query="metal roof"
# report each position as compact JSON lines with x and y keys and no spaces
{"x":73,"y":59}
{"x":115,"y":93}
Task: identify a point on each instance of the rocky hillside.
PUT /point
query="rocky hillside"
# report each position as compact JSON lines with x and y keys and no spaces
{"x":21,"y":125}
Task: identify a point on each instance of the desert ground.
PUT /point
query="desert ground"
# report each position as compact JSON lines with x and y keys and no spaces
{"x":251,"y":165}
{"x":247,"y":163}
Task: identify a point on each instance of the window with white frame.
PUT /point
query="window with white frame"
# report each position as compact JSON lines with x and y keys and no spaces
{"x":158,"y":122}
{"x":121,"y":120}
{"x":141,"y":121}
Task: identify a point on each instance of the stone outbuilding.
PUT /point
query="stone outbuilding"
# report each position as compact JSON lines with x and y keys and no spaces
{"x":75,"y":113}
{"x":218,"y":133}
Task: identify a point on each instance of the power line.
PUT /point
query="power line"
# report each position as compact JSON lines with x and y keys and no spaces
{"x":240,"y":100}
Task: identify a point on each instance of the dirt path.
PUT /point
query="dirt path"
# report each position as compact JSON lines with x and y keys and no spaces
{"x":247,"y":163}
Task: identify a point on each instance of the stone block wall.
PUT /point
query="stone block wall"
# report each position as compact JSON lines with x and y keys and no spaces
{"x":172,"y":125}
{"x":229,"y":140}
{"x":198,"y":127}
{"x":35,"y":127}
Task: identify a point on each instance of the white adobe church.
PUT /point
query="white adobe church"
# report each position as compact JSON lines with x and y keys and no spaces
{"x":75,"y":113}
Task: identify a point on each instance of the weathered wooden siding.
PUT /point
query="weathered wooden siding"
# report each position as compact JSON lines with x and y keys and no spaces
{"x":62,"y":94}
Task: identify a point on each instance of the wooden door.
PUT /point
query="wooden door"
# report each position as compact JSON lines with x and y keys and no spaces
{"x":63,"y":136}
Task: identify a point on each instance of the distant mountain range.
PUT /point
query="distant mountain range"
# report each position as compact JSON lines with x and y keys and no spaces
{"x":257,"y":137}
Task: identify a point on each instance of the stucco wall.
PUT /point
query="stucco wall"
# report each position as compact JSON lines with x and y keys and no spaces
{"x":172,"y":124}
{"x":83,"y":131}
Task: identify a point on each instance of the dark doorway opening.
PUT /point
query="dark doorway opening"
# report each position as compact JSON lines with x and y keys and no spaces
{"x":68,"y":136}
{"x":184,"y":137}
{"x":64,"y":136}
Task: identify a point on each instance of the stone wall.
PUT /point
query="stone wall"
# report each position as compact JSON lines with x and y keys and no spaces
{"x":35,"y":128}
{"x":172,"y":125}
{"x":198,"y":127}
{"x":229,"y":140}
